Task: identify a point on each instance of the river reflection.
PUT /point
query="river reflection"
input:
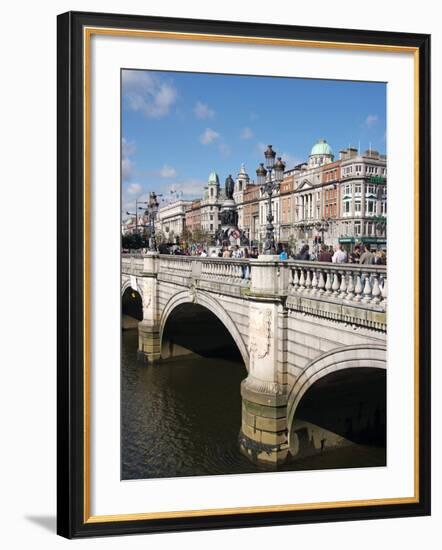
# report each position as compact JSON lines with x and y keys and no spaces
{"x":183,"y":417}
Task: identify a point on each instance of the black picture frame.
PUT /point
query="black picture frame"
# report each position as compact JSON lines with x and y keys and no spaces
{"x":72,"y":393}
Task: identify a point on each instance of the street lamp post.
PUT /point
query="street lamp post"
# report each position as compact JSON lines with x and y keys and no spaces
{"x":380,"y":224}
{"x":137,"y":202}
{"x":323,"y":226}
{"x":269,"y":179}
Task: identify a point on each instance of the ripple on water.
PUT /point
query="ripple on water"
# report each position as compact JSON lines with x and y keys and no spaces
{"x":183,"y":419}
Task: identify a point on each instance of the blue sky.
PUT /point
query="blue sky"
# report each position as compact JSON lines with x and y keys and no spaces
{"x":178,"y":127}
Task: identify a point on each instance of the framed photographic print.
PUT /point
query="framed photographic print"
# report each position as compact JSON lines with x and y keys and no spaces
{"x":243,"y":274}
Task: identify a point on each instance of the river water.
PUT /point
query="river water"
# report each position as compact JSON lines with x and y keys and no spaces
{"x":183,"y":417}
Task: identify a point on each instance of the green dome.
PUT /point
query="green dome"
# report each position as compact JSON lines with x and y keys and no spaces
{"x":213,"y":178}
{"x":321,"y":148}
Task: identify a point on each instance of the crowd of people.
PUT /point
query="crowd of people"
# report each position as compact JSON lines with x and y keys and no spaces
{"x":361,"y":253}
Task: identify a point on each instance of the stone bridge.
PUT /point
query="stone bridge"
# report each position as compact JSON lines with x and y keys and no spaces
{"x":293,"y":322}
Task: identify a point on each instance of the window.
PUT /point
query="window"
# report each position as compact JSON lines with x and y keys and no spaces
{"x":358,"y":206}
{"x":357,"y":228}
{"x":211,"y":192}
{"x":357,"y":187}
{"x":369,"y":206}
{"x":211,"y":227}
{"x":346,"y":207}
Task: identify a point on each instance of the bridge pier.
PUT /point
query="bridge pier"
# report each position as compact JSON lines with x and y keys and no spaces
{"x":149,"y":343}
{"x":264,"y":435}
{"x":149,"y":347}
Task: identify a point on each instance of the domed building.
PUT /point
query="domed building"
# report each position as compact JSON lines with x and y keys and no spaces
{"x":213,"y":185}
{"x":320,"y":154}
{"x":241,"y":183}
{"x":211,"y":204}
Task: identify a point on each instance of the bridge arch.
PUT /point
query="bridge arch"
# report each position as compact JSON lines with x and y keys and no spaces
{"x":132,"y":303}
{"x":333,"y":361}
{"x":207,"y":301}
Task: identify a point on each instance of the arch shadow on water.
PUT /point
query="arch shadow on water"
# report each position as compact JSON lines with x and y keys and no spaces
{"x":343,"y":411}
{"x":182,"y":416}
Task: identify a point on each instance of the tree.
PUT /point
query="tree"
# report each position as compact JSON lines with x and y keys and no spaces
{"x":200,"y":236}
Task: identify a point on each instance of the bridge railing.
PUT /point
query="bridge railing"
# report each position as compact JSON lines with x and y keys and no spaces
{"x":132,"y":263}
{"x":217,"y":270}
{"x":363,"y":285}
{"x":350,"y":283}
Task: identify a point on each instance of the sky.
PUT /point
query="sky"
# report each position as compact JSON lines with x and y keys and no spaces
{"x":177,"y":127}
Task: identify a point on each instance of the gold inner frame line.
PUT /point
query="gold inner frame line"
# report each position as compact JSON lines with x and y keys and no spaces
{"x":87,"y":34}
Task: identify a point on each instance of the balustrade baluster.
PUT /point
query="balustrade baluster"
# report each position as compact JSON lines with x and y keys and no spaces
{"x":314,"y":282}
{"x":376,"y":291}
{"x":321,"y":282}
{"x":384,"y":293}
{"x":367,"y":289}
{"x":328,"y":284}
{"x":295,"y":279}
{"x":358,"y":289}
{"x":350,"y":288}
{"x":308,"y":281}
{"x":301,"y":281}
{"x":343,"y":287}
{"x":335,"y":285}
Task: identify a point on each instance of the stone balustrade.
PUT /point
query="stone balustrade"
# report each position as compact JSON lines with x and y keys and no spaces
{"x":305,"y":285}
{"x":364,"y":285}
{"x":132,"y":264}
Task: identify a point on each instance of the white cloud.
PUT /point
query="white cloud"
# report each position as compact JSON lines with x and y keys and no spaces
{"x":202,"y":110}
{"x":371,"y":120}
{"x":148,"y":94}
{"x":246,"y":133}
{"x":189,"y":188}
{"x":127,"y":149}
{"x":208,"y":136}
{"x":134,"y":189}
{"x":126,"y":169}
{"x":167,"y":172}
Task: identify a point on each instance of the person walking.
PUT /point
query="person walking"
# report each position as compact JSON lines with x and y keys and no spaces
{"x":380,"y":257}
{"x":237,"y":252}
{"x":324,"y":255}
{"x":355,"y":256}
{"x":367,"y":257}
{"x":304,"y":254}
{"x":340,"y":256}
{"x":283,"y":253}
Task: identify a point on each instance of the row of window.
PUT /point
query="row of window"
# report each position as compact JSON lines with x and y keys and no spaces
{"x":370,"y":207}
{"x":359,"y":169}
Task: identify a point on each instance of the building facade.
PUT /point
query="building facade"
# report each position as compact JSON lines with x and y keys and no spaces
{"x":193,"y":216}
{"x":171,"y":218}
{"x":211,"y":205}
{"x":336,"y":201}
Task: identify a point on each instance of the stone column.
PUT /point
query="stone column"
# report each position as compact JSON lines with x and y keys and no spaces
{"x":263,"y":437}
{"x":149,"y":328}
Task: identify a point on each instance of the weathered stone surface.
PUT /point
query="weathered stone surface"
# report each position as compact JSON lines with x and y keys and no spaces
{"x":289,"y":337}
